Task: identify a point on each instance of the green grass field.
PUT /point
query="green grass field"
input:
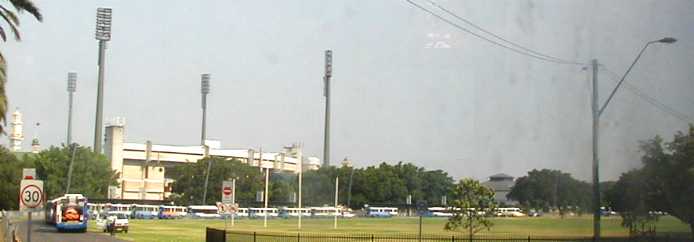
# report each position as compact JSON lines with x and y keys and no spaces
{"x":194,"y":230}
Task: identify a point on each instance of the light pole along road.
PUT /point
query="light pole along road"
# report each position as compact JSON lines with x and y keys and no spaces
{"x":597,"y":112}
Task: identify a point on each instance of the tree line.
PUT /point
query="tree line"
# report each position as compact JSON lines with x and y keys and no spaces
{"x":665,"y":184}
{"x":381,"y":184}
{"x":91,"y":173}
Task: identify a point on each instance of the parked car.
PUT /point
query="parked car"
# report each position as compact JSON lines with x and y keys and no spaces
{"x":534,"y":213}
{"x":116,"y":222}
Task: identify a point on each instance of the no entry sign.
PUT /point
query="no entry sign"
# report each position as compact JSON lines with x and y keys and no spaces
{"x":227,"y":192}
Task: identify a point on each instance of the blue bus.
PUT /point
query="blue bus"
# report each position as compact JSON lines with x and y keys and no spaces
{"x":68,"y":213}
{"x":381,"y":211}
{"x":144,"y":211}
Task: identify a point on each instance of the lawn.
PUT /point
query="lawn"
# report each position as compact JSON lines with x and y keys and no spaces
{"x":194,"y":230}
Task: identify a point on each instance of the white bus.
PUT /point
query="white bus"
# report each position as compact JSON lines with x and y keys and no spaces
{"x":324,"y":212}
{"x":286,"y":212}
{"x":167,"y":212}
{"x":439,"y":212}
{"x":203,"y":211}
{"x":95,"y":209}
{"x":242,"y":212}
{"x":260,"y":212}
{"x":381,"y":211}
{"x":118,"y":208}
{"x":509,"y":212}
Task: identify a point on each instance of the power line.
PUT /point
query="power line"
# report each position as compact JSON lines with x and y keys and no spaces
{"x":651,"y":100}
{"x":499,"y":37}
{"x":526,"y":53}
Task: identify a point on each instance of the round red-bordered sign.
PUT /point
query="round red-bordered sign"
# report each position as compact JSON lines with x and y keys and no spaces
{"x":227,"y":191}
{"x":33,"y":194}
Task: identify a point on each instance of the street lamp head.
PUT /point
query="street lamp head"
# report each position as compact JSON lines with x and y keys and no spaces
{"x":103,"y":24}
{"x":667,"y":40}
{"x":71,"y":81}
{"x":205,"y":83}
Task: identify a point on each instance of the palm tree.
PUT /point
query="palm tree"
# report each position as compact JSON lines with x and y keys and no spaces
{"x":11,"y":19}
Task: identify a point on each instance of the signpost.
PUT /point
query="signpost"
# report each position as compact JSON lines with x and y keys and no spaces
{"x":229,"y":200}
{"x":31,"y":196}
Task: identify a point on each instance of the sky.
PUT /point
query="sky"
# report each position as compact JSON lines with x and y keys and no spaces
{"x":405,"y":87}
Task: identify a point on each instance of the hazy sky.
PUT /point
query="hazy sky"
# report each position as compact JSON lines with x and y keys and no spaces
{"x":473,"y":109}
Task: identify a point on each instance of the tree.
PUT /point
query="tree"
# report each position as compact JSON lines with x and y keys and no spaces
{"x":190,"y":179}
{"x":629,"y":197}
{"x":471,"y":204}
{"x":669,"y":169}
{"x":91,"y":174}
{"x":545,"y":189}
{"x":12,"y":21}
{"x":664,"y":184}
{"x":10,"y":175}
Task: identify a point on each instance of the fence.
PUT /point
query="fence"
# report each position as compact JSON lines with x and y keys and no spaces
{"x":7,"y":228}
{"x":246,"y":236}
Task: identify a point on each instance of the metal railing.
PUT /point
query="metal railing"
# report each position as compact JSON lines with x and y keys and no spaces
{"x":250,"y":236}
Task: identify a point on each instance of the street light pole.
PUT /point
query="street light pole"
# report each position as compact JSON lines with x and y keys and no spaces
{"x":326,"y":80}
{"x":204,"y":90}
{"x":597,"y":113}
{"x":103,"y":34}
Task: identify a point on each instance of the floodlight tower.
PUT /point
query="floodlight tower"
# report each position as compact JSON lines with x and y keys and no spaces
{"x":71,"y":88}
{"x":326,"y":80}
{"x":204,"y":90}
{"x":103,"y":34}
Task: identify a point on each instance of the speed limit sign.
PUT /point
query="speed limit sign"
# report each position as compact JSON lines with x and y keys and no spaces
{"x":31,"y":194}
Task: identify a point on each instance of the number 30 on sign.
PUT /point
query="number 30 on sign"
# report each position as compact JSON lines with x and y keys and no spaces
{"x":31,"y":194}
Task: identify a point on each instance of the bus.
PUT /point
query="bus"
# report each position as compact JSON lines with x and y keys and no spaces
{"x":242,"y":212}
{"x":203,"y":211}
{"x":118,"y":209}
{"x":144,"y":211}
{"x":324,"y":212}
{"x":170,"y":212}
{"x":509,"y":212}
{"x":68,"y":213}
{"x":381,"y":211}
{"x":439,"y":212}
{"x":95,"y":209}
{"x":287,"y":212}
{"x":260,"y":212}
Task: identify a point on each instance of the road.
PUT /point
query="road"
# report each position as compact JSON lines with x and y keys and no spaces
{"x":45,"y":233}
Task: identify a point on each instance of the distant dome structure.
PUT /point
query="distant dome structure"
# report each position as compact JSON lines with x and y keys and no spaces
{"x":35,"y":145}
{"x":346,"y":162}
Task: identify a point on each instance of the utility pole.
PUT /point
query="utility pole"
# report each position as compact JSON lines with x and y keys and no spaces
{"x":596,"y":178}
{"x":337,"y":187}
{"x":71,"y":88}
{"x":103,"y":34}
{"x":300,"y":163}
{"x":145,"y":170}
{"x":349,"y":193}
{"x":326,"y":80}
{"x":267,"y":180}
